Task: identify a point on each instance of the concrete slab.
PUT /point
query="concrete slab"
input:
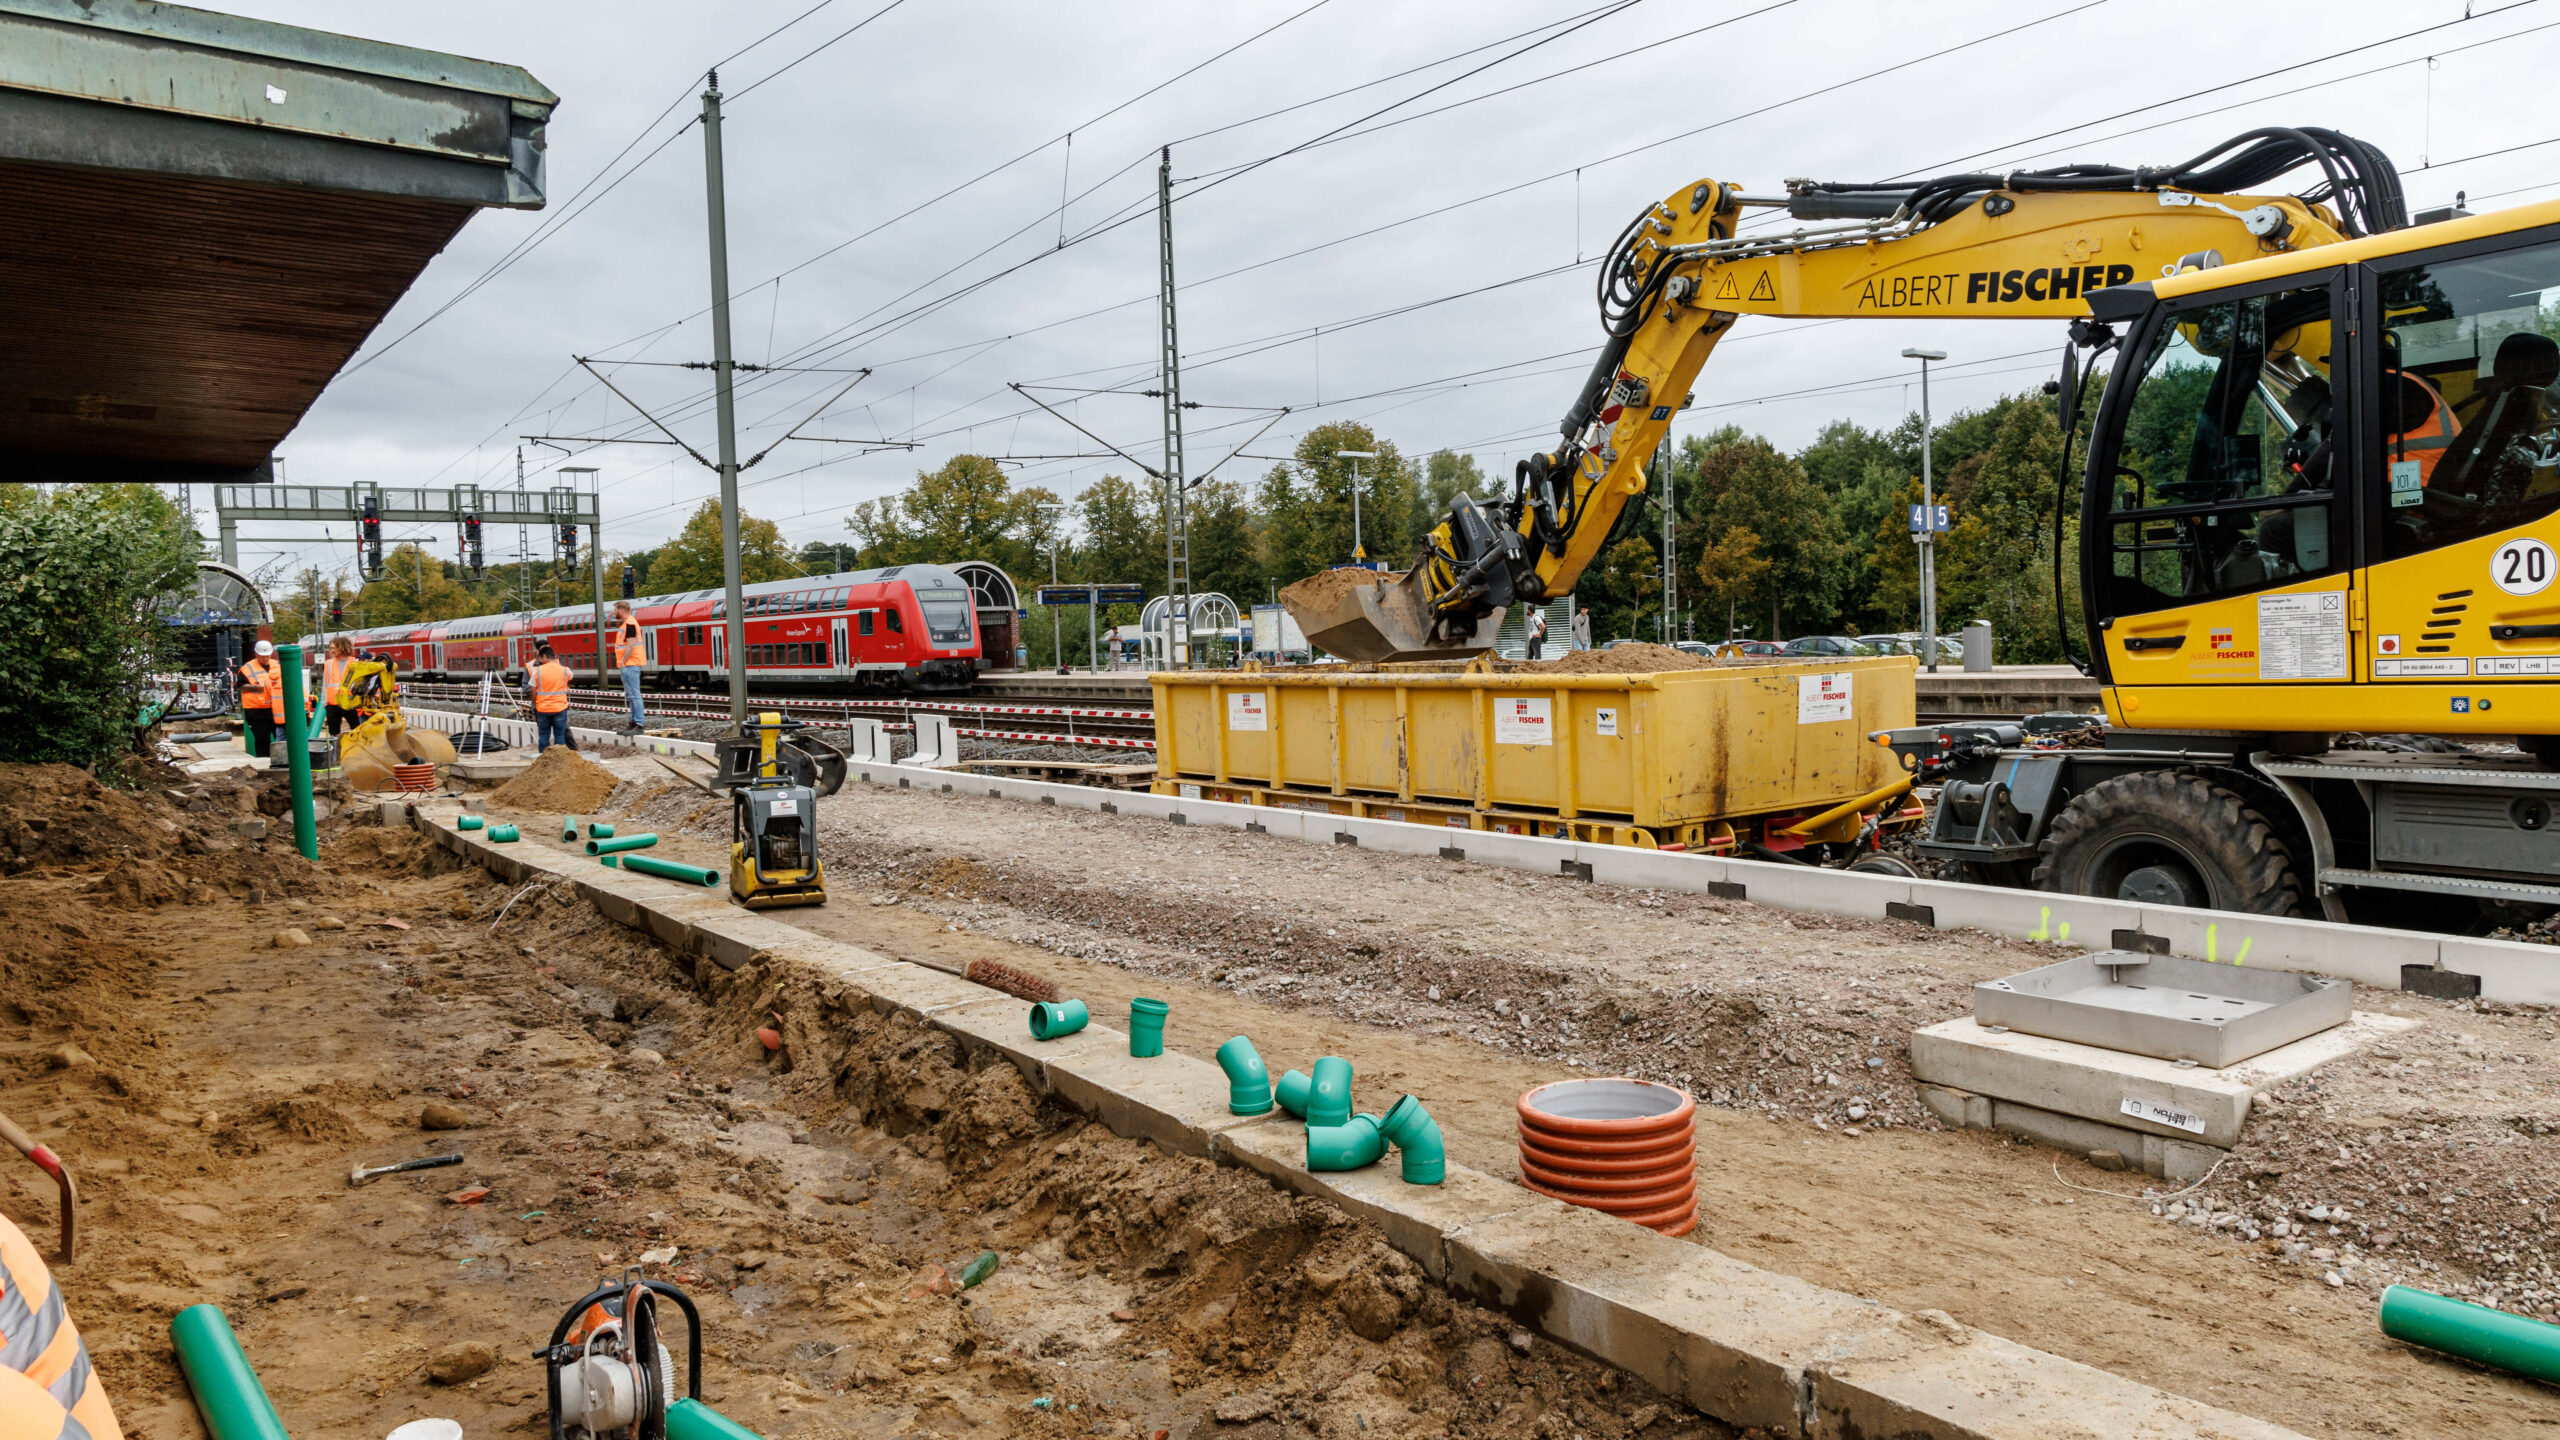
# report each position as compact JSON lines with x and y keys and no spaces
{"x":2086,"y":1082}
{"x":1416,"y":1219}
{"x":1934,"y":1381}
{"x":1174,"y":1100}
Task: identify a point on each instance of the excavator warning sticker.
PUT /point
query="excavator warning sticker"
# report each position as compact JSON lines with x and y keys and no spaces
{"x":1244,"y":711}
{"x":1821,"y":698}
{"x":2303,"y":637}
{"x":1520,"y":720}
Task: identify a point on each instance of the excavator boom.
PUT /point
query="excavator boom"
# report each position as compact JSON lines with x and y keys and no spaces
{"x":2022,"y":246}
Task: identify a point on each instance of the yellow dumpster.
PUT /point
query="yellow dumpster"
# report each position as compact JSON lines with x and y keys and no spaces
{"x":1709,"y":758}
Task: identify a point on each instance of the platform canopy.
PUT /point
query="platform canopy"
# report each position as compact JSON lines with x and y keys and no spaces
{"x":205,"y":216}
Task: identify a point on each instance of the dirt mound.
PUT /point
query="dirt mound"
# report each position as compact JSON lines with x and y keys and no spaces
{"x":560,"y":780}
{"x":379,"y":852}
{"x":60,"y":816}
{"x":1640,"y":658}
{"x":1320,"y":592}
{"x":145,"y":883}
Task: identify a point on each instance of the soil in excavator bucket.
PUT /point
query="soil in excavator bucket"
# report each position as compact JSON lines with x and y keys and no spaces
{"x":1371,"y":615}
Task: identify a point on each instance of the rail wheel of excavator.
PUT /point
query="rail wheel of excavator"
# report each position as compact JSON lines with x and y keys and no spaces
{"x":2162,"y":837}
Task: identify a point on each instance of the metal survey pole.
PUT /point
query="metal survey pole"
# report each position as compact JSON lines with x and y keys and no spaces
{"x":1177,"y":530}
{"x":1928,"y":521}
{"x":716,"y":200}
{"x":1359,"y":549}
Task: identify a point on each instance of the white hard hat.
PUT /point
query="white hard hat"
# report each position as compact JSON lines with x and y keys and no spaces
{"x":266,"y":647}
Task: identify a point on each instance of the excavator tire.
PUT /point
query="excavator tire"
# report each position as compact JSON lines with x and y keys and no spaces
{"x":2164,"y":837}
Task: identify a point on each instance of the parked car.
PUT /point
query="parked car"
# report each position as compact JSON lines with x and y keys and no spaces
{"x":1731,"y":649}
{"x":1817,"y":647}
{"x":1950,"y":649}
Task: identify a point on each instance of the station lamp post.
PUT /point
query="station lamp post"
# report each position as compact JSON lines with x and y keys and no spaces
{"x":1359,"y":551}
{"x":1928,"y":529}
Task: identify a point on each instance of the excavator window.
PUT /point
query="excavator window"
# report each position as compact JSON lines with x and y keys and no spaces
{"x":2220,"y":479}
{"x":2470,"y":420}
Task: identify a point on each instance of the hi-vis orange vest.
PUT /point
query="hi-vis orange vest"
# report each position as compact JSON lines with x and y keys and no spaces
{"x":262,"y":686}
{"x":333,"y":679}
{"x":627,"y":650}
{"x":46,"y":1386}
{"x":550,"y":687}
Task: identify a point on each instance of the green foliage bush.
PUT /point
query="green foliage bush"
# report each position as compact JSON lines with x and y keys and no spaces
{"x":83,"y":570}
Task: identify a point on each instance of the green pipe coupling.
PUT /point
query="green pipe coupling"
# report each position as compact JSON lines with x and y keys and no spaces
{"x":502,"y":834}
{"x":1058,"y":1020}
{"x":469,"y":822}
{"x":599,"y":831}
{"x":1416,"y":1137}
{"x":615,"y":846}
{"x":1351,"y":1146}
{"x":1329,"y":1096}
{"x":2474,"y":1332}
{"x":1292,"y":1093}
{"x":1248,"y":1080}
{"x":1146,"y":1027}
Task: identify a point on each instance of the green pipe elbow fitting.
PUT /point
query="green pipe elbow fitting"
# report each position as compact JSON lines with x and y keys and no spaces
{"x":1052,"y":1021}
{"x":1329,"y":1094}
{"x":1292,"y":1093}
{"x":502,"y":834}
{"x":614,"y":846}
{"x":1248,"y":1079}
{"x":1416,"y":1137}
{"x":1354,"y":1145}
{"x":2474,"y":1332}
{"x":599,"y":831}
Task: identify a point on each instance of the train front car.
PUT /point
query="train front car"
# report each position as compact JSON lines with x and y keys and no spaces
{"x":944,"y":630}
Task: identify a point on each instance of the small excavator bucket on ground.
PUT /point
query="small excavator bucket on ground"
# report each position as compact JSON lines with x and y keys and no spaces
{"x":368,"y":752}
{"x":1369,"y":615}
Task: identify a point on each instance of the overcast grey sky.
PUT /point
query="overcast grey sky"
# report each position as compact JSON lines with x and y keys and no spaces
{"x":932,"y":93}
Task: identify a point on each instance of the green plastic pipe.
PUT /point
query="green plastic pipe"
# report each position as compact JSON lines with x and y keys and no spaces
{"x":503,"y":835}
{"x":469,"y":822}
{"x":1329,"y":1094}
{"x":1248,"y":1079}
{"x":1056,"y":1021}
{"x":610,"y":862}
{"x":693,"y":1420}
{"x":670,"y":870}
{"x":598,"y":830}
{"x":2474,"y":1332}
{"x":1291,"y":1092}
{"x":1416,"y":1137}
{"x":1353,"y":1145}
{"x":234,"y":1404}
{"x":297,"y":753}
{"x":612,"y":845}
{"x":1146,"y":1027}
{"x":568,"y":828}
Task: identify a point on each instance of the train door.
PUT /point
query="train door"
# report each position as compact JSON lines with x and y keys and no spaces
{"x":840,"y":659}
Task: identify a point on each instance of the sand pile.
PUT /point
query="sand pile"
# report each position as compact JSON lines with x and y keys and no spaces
{"x":1319,"y":593}
{"x":561,"y":780}
{"x":1641,"y":658}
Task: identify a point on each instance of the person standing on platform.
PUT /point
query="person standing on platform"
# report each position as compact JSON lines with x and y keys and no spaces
{"x":333,"y":685}
{"x":630,"y":655}
{"x":1582,"y":628}
{"x":262,"y":699}
{"x":549,"y":682}
{"x":1537,"y":632}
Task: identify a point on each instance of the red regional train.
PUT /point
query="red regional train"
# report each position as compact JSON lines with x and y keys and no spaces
{"x":905,"y":628}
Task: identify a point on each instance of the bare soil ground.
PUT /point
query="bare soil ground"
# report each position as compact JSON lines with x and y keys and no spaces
{"x":1469,"y":984}
{"x":211,"y":1062}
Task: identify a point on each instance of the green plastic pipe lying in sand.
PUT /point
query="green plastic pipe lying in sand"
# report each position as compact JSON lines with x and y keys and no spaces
{"x":693,"y":1420}
{"x":2474,"y":1332}
{"x":598,"y":830}
{"x":670,"y":870}
{"x":614,"y":845}
{"x":234,"y":1404}
{"x":568,"y":828}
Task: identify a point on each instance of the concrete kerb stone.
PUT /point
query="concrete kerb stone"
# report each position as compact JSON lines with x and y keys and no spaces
{"x":1748,"y":1346}
{"x":2509,"y":970}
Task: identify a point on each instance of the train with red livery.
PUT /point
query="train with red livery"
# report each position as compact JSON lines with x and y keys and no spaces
{"x":902,"y":629}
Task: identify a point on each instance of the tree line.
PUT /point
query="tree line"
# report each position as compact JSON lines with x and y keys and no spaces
{"x":1769,"y":544}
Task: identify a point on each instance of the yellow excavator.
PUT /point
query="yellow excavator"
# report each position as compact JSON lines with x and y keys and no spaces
{"x":2318,"y":501}
{"x":381,"y":737}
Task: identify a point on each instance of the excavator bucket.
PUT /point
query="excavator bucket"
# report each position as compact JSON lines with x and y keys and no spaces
{"x":1367,"y":615}
{"x":368,"y":752}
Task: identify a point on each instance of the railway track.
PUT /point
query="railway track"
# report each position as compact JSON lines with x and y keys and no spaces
{"x":1100,"y":726}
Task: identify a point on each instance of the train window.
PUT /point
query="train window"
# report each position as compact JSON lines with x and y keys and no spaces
{"x":862,"y":622}
{"x":897,"y":623}
{"x":946,"y":615}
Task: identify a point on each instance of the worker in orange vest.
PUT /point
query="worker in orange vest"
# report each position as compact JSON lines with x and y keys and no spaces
{"x":629,"y":654}
{"x":333,"y":684}
{"x":550,"y":684}
{"x":262,"y":698}
{"x":47,"y":1388}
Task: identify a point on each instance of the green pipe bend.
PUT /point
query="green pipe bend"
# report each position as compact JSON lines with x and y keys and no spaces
{"x":1248,"y":1079}
{"x":1352,"y":1145}
{"x":1329,"y":1092}
{"x":1416,"y":1137}
{"x":1292,"y":1093}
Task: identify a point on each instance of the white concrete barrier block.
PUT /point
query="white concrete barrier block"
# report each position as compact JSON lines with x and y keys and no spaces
{"x":2367,"y":955}
{"x":2509,"y":972}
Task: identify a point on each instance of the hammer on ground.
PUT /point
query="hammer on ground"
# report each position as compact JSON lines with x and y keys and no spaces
{"x":360,"y":1172}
